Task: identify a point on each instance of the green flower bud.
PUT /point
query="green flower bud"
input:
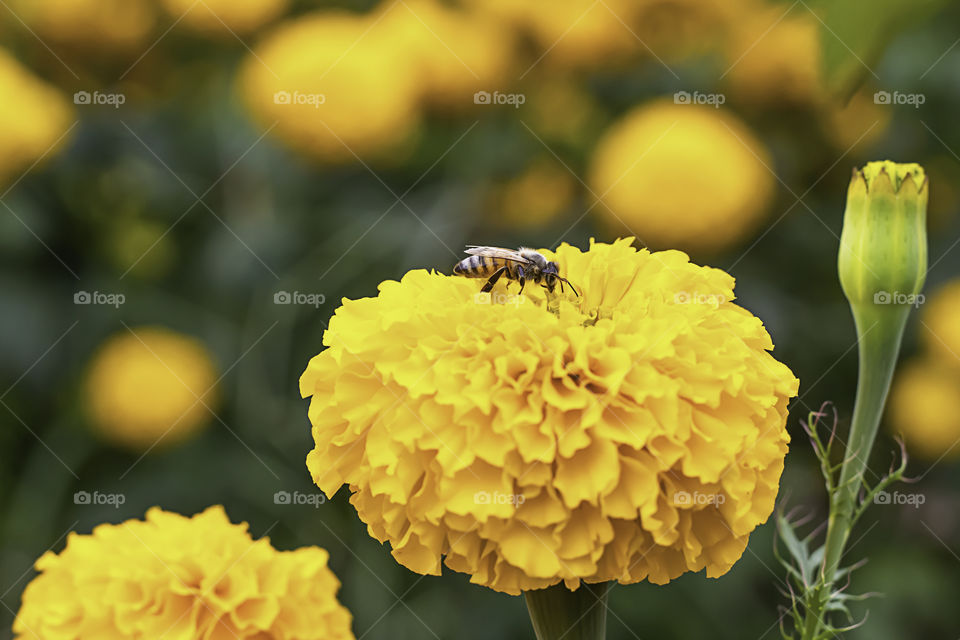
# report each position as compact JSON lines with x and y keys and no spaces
{"x":883,"y":247}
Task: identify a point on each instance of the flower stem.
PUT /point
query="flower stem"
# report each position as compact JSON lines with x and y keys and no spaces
{"x":557,"y":612}
{"x":880,"y":329}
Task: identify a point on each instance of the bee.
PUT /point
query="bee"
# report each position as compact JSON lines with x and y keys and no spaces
{"x":520,"y":265}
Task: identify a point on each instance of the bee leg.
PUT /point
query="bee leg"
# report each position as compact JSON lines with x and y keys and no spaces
{"x":493,"y":280}
{"x":521,"y":279}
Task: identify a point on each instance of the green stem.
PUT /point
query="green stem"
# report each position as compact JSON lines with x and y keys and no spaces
{"x":557,"y":612}
{"x":880,"y":329}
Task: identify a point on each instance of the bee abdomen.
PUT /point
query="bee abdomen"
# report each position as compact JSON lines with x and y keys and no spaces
{"x":476,"y":266}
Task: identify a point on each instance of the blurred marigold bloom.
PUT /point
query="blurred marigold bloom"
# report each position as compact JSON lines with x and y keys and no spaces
{"x":636,"y":432}
{"x":33,"y":118}
{"x":941,"y":330}
{"x":331,"y":89}
{"x":176,"y":577}
{"x":682,"y":175}
{"x":149,"y":386}
{"x":455,"y":53}
{"x":774,"y":57}
{"x":677,"y":29}
{"x":571,"y":33}
{"x":925,"y":408}
{"x":103,"y":25}
{"x":225,"y":16}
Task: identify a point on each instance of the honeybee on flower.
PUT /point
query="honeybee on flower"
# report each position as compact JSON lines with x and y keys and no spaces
{"x":520,"y":265}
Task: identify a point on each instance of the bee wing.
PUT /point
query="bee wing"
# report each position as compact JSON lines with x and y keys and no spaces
{"x":495,"y":252}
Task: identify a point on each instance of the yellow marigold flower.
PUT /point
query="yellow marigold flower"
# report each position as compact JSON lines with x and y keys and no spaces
{"x":941,"y":329}
{"x":331,"y":89}
{"x":455,"y":53}
{"x":775,"y":57}
{"x":636,"y":432}
{"x":925,"y":408}
{"x":224,"y":16}
{"x":682,"y":175}
{"x":33,"y":117}
{"x":143,"y":387}
{"x":176,"y":577}
{"x":90,"y":24}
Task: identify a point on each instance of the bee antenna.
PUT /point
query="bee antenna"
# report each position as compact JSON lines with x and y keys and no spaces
{"x":562,"y":280}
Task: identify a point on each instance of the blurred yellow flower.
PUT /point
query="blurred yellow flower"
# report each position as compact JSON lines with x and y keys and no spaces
{"x":774,"y":56}
{"x":941,"y":327}
{"x":33,"y":118}
{"x":681,"y":175}
{"x":225,"y":16}
{"x":635,"y":432}
{"x":143,"y":387}
{"x":103,"y":25}
{"x":676,"y":29}
{"x":535,"y":197}
{"x":330,"y":89}
{"x":454,"y":53}
{"x":570,"y":33}
{"x":925,"y":408}
{"x":176,"y":577}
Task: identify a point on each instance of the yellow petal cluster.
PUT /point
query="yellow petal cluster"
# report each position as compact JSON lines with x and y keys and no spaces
{"x":183,"y":579}
{"x":225,"y":16}
{"x":150,"y":386}
{"x":33,"y":118}
{"x":636,"y":432}
{"x":682,"y":175}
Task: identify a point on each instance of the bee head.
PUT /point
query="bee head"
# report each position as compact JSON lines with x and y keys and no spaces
{"x":551,"y":276}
